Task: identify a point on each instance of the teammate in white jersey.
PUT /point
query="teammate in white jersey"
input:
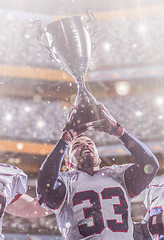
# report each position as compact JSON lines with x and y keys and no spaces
{"x":89,"y":202}
{"x":13,"y":186}
{"x":153,"y":223}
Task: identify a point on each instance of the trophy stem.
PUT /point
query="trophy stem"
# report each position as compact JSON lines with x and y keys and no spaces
{"x":88,"y":109}
{"x":84,"y":97}
{"x":80,"y":80}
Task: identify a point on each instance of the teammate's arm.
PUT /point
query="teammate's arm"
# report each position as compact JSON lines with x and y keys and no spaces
{"x":141,"y":230}
{"x":27,"y":207}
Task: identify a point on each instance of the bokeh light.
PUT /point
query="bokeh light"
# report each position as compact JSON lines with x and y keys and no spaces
{"x":20,"y":146}
{"x":122,"y":88}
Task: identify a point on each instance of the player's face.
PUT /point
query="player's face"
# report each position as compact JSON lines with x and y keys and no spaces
{"x":83,"y":154}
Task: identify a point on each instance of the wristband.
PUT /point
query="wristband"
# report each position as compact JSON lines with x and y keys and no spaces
{"x":118,"y":130}
{"x":67,"y":136}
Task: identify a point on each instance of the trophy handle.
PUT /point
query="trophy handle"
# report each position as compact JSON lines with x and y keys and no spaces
{"x":39,"y":34}
{"x":91,"y":25}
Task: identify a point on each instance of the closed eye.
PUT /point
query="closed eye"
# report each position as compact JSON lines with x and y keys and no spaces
{"x":90,"y":143}
{"x":76,"y":145}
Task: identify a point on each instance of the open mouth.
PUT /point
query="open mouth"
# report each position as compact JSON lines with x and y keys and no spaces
{"x":85,"y":152}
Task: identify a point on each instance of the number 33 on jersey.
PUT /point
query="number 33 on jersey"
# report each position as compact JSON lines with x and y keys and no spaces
{"x":98,"y":208}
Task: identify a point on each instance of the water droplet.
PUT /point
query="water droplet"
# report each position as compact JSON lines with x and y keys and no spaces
{"x":148,"y":169}
{"x":68,"y":225}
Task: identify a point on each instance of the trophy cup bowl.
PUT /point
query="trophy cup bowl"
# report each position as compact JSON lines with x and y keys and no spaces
{"x":69,"y":43}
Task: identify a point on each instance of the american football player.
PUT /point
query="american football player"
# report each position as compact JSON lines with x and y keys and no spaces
{"x":153,"y":222}
{"x":89,"y":202}
{"x":13,"y":197}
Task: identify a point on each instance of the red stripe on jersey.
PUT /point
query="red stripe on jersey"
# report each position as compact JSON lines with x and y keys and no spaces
{"x":158,"y":186}
{"x":16,"y":198}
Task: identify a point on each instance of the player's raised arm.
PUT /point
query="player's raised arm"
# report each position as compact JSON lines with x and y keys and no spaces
{"x":50,"y":189}
{"x":139,"y":175}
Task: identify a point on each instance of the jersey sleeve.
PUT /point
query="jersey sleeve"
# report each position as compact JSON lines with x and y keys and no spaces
{"x":15,"y":181}
{"x":19,"y":182}
{"x":155,"y":193}
{"x":22,"y":183}
{"x":147,"y":201}
{"x":19,"y":185}
{"x":118,"y":173}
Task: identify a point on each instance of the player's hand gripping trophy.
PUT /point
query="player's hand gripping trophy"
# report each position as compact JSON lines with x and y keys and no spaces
{"x":69,"y":43}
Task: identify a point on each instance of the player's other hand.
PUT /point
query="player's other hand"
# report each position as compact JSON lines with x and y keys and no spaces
{"x":109,"y":124}
{"x":73,"y":129}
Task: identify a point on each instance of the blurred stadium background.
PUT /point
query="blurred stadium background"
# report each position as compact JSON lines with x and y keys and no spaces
{"x":126,"y":74}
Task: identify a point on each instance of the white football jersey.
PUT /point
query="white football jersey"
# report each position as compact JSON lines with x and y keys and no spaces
{"x":95,"y":207}
{"x":13,"y":181}
{"x":154,"y":203}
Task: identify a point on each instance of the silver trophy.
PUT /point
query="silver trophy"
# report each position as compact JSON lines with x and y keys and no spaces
{"x":70,"y":44}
